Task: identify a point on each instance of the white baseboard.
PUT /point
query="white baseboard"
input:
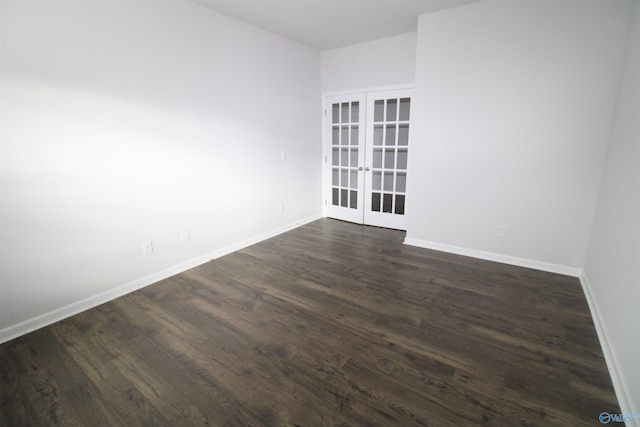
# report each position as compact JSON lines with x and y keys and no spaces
{"x":53,"y":316}
{"x":627,"y":405}
{"x":491,"y":256}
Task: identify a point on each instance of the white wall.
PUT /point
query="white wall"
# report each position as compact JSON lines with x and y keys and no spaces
{"x":512,"y":112}
{"x":124,"y":122}
{"x":384,"y":62}
{"x":612,"y":271}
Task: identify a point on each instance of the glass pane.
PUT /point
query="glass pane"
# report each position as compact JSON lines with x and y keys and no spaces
{"x":378,"y":111}
{"x":388,"y":181}
{"x":335,"y":177}
{"x":389,"y":159}
{"x":344,"y":176}
{"x":354,"y":158}
{"x":355,"y":112}
{"x":354,"y":179}
{"x":354,"y":135}
{"x":375,"y":202}
{"x":401,"y":182}
{"x":387,"y":201}
{"x":403,"y":135}
{"x":391,"y":135}
{"x":335,"y":157}
{"x":335,"y":113}
{"x":335,"y":136}
{"x":345,"y":113}
{"x":336,"y":197}
{"x":405,"y":107}
{"x":353,"y":199}
{"x":344,"y":135}
{"x":344,"y":157}
{"x":377,"y":135}
{"x":376,"y":183}
{"x":400,"y":204}
{"x":402,"y":159}
{"x":344,"y":194}
{"x":377,"y":158}
{"x":392,"y":108}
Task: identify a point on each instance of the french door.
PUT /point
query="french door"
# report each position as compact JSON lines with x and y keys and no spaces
{"x":368,"y":144}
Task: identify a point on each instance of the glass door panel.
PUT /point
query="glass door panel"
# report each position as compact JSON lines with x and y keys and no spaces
{"x":388,"y":129}
{"x":367,"y":157}
{"x":346,"y":156}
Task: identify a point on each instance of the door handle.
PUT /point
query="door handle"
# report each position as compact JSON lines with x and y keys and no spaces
{"x":360,"y":168}
{"x":366,"y":168}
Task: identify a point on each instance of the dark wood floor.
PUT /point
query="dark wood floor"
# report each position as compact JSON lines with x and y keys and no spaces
{"x":329,"y":324}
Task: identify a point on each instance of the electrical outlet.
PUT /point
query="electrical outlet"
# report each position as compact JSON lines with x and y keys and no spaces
{"x":147,"y":247}
{"x":501,"y":231}
{"x":185,"y":236}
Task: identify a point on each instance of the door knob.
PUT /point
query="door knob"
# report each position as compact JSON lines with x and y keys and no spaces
{"x":366,"y":168}
{"x":360,"y":168}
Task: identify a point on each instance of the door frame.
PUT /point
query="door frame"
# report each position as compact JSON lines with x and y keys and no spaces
{"x":326,"y":121}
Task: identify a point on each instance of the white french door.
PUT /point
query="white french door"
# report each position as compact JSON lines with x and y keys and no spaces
{"x":367,"y":140}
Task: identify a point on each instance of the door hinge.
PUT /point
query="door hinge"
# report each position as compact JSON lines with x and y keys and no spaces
{"x":325,"y":112}
{"x":325,"y":159}
{"x":325,"y":203}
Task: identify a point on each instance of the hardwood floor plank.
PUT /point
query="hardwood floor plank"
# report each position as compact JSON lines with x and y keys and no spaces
{"x":125,"y":400}
{"x":328,"y":324}
{"x":9,"y":380}
{"x":176,"y":367}
{"x":16,"y":409}
{"x":41,"y":380}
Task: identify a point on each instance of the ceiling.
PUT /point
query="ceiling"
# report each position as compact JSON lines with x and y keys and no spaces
{"x":327,"y":24}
